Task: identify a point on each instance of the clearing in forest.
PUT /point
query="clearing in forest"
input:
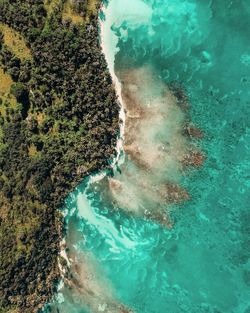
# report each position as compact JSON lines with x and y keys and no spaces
{"x":50,"y":5}
{"x":69,"y":13}
{"x":6,"y":99}
{"x":15,"y":42}
{"x":92,"y":6}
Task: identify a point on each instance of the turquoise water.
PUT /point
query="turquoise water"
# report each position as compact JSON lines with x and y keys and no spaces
{"x":202,"y":263}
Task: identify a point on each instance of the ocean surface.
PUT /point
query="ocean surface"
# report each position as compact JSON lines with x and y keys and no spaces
{"x":199,"y":263}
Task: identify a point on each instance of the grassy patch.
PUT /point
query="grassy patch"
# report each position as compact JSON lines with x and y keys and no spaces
{"x":15,"y":42}
{"x":40,"y":117}
{"x":68,"y":13}
{"x":50,"y":5}
{"x":6,"y":99}
{"x":92,"y":6}
{"x":6,"y":82}
{"x":32,"y":151}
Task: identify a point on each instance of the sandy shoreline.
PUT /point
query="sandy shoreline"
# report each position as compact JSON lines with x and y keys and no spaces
{"x":119,"y":145}
{"x":118,"y":89}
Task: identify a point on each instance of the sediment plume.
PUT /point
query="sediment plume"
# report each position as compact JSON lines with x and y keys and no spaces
{"x":84,"y":285}
{"x":155,"y":137}
{"x":155,"y":147}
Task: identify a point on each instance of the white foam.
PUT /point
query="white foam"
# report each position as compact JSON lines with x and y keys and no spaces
{"x":115,"y":13}
{"x":104,"y":225}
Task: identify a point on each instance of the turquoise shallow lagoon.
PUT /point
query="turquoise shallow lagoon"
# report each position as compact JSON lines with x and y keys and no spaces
{"x":202,"y":263}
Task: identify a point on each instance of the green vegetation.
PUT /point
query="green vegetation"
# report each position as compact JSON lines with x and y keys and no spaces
{"x":50,"y":5}
{"x":15,"y":42}
{"x":6,"y":98}
{"x":76,"y":10}
{"x":58,"y":122}
{"x":69,"y":12}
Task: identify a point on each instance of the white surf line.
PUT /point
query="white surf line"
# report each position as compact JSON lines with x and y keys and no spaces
{"x":117,"y":86}
{"x":119,"y":146}
{"x":104,"y":226}
{"x":118,"y":159}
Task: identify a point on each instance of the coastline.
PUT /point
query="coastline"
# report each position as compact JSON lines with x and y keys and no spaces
{"x":117,"y":87}
{"x":170,"y":261}
{"x":119,"y":147}
{"x":117,"y":160}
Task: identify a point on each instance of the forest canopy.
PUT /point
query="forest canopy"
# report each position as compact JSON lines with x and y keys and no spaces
{"x":58,"y":122}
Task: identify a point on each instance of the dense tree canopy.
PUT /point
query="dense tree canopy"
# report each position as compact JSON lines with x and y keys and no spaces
{"x":63,"y":126}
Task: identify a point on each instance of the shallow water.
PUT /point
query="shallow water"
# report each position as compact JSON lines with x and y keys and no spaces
{"x":201,"y":263}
